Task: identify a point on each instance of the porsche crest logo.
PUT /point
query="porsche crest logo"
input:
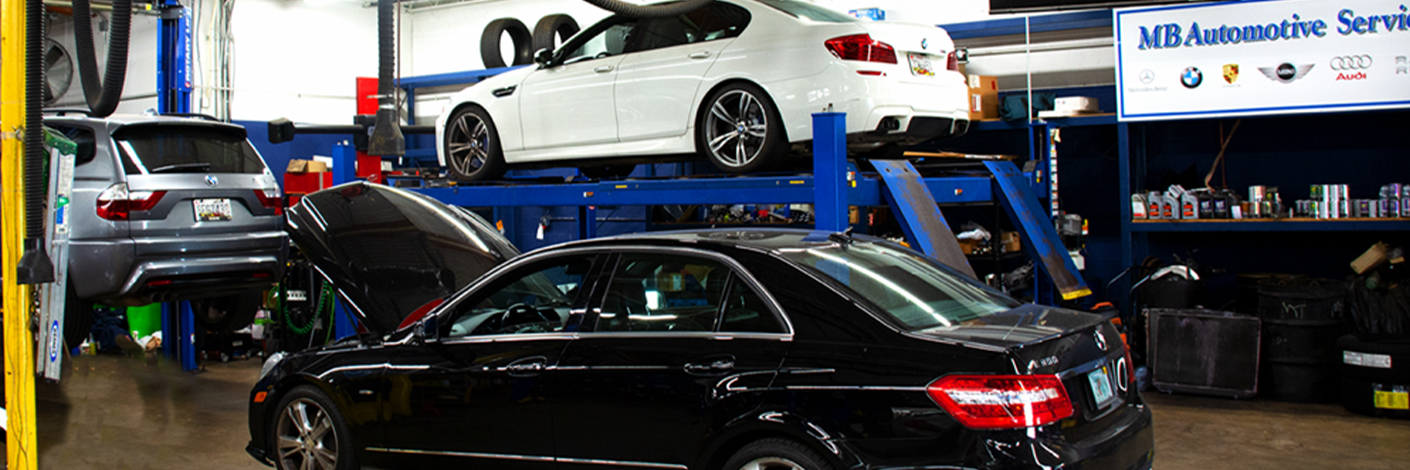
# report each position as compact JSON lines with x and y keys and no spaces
{"x":1231,"y":73}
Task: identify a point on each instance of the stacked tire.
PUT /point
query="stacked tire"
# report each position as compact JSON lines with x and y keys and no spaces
{"x":1375,"y":374}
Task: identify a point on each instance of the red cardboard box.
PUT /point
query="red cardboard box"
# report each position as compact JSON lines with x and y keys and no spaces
{"x":304,"y":183}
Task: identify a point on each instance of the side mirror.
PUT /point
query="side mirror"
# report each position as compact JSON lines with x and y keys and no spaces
{"x":543,"y":57}
{"x":427,"y":331}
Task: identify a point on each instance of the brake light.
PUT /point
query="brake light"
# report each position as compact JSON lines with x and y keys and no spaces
{"x":861,"y":47}
{"x":952,"y":62}
{"x":1002,"y":401}
{"x":117,"y":203}
{"x":271,"y":199}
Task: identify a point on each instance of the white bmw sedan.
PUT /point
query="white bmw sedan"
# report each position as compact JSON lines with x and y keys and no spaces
{"x":734,"y":82}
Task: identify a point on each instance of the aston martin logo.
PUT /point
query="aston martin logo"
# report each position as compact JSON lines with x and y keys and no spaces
{"x":1231,"y":73}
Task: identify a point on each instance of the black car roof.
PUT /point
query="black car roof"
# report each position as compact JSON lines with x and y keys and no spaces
{"x":765,"y":239}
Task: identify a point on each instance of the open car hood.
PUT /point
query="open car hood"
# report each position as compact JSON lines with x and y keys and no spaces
{"x":391,"y":252}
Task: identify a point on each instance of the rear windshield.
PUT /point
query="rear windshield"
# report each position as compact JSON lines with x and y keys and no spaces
{"x":914,"y":290}
{"x":809,"y":11}
{"x":187,"y":149}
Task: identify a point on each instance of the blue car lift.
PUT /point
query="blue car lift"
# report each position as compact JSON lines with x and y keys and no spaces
{"x":174,"y":97}
{"x":830,"y":189}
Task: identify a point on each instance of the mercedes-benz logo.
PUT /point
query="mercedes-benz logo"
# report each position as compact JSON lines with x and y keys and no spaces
{"x":211,"y":180}
{"x":1147,"y":76}
{"x":1351,"y":62}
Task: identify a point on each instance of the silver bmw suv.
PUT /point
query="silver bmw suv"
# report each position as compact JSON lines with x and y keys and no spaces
{"x":169,"y":208}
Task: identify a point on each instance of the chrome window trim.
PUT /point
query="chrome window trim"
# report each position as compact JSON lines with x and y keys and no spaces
{"x":734,"y":266}
{"x":509,"y":338}
{"x":529,"y":458}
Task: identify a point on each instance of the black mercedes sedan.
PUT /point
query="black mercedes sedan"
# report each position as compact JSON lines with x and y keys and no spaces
{"x":739,"y":349}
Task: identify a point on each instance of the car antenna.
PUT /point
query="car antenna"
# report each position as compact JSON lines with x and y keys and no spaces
{"x":844,"y":237}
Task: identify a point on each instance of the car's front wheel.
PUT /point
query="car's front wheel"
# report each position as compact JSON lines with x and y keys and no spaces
{"x":309,"y":433}
{"x":777,"y":454}
{"x":472,"y":145}
{"x":740,"y":131}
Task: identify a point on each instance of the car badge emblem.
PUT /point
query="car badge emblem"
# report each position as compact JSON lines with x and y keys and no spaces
{"x":1192,"y":77}
{"x":1101,"y":341}
{"x":924,"y":44}
{"x":1231,"y":73}
{"x":1147,"y":76}
{"x":211,"y":180}
{"x":1286,"y":72}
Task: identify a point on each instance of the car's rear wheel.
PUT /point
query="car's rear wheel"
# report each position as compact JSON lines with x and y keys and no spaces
{"x":777,"y":454}
{"x":310,"y":433}
{"x":227,"y":312}
{"x":472,"y":145}
{"x":740,"y":131}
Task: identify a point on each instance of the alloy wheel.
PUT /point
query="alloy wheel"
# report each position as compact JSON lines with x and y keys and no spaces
{"x":305,"y":437}
{"x":468,"y":143}
{"x":736,"y":128}
{"x":771,"y":463}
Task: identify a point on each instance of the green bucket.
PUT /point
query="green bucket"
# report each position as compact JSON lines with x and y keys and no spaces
{"x":144,"y":320}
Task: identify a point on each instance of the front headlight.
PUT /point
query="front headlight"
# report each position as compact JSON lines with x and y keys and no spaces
{"x":270,"y":362}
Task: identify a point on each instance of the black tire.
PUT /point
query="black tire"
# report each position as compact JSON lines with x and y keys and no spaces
{"x":608,"y":171}
{"x":553,"y":30}
{"x":227,"y":313}
{"x":777,"y":454}
{"x":473,"y":152}
{"x":1395,"y":346}
{"x":1359,"y":396}
{"x":494,"y":32}
{"x":725,"y":131}
{"x":78,"y":317}
{"x":322,"y":418}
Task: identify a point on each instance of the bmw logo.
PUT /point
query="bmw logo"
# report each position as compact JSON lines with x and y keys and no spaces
{"x":1191,"y":77}
{"x":924,"y":44}
{"x":211,"y":180}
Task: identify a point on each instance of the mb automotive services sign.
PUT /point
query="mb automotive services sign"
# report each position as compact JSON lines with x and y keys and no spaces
{"x":1261,"y":57}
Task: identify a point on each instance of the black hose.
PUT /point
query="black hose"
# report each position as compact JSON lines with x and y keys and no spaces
{"x":103,"y":97}
{"x":386,"y":138}
{"x":35,"y":266}
{"x":632,"y":10}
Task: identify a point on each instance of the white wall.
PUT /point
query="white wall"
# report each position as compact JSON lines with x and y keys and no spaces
{"x":300,"y":59}
{"x":140,"y":86}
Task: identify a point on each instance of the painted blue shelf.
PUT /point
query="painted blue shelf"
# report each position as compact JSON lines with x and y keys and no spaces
{"x":1284,"y":225}
{"x":1076,"y":121}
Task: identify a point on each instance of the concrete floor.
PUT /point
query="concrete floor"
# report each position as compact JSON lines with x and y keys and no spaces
{"x":121,"y":413}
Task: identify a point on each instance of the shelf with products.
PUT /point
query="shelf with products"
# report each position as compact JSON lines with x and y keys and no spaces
{"x":1297,"y":224}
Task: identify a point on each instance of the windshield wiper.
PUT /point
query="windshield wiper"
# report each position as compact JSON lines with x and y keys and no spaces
{"x":182,"y":168}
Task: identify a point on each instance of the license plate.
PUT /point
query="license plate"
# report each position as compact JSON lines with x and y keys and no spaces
{"x":920,"y":65}
{"x":1101,"y":385}
{"x":211,"y":210}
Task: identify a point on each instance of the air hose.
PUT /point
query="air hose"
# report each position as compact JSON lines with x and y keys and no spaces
{"x":103,"y":97}
{"x":323,"y":305}
{"x":35,"y":267}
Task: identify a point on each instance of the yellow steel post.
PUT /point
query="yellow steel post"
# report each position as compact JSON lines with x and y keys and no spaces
{"x":19,"y":344}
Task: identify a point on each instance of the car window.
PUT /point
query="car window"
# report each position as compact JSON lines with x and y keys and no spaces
{"x":82,"y":136}
{"x":717,"y":21}
{"x":746,"y":312}
{"x":662,"y":292}
{"x":151,"y":149}
{"x":808,"y":11}
{"x":914,"y":290}
{"x":611,"y":41}
{"x":535,"y":299}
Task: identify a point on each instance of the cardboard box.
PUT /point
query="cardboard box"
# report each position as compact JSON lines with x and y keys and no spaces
{"x":306,"y":166}
{"x":983,"y":97}
{"x":1010,"y":242}
{"x":1378,"y":255}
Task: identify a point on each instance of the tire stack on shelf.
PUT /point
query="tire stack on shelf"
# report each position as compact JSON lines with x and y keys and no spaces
{"x":1301,"y":323}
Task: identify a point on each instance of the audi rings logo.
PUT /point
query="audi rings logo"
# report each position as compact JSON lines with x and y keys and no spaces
{"x":1351,"y":62}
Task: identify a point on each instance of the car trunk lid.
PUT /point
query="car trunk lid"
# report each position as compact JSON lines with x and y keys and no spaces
{"x":390,"y":252}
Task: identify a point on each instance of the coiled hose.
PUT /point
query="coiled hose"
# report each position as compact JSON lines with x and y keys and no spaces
{"x":103,"y":97}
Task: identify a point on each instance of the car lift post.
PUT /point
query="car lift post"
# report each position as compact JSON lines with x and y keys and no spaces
{"x":344,"y":171}
{"x":830,"y":171}
{"x":174,"y":96}
{"x":19,"y":343}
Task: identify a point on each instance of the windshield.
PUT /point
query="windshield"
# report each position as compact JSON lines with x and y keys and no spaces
{"x":916,"y":291}
{"x":808,"y":11}
{"x":187,"y":149}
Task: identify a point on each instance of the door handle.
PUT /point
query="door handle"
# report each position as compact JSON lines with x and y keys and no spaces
{"x":718,"y":366}
{"x":699,"y":55}
{"x":603,"y":69}
{"x":525,"y":367}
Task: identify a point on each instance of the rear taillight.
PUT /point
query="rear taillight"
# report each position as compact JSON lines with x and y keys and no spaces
{"x":1002,"y":401}
{"x":861,"y":47}
{"x":271,"y":199}
{"x":116,"y":202}
{"x":952,"y":62}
